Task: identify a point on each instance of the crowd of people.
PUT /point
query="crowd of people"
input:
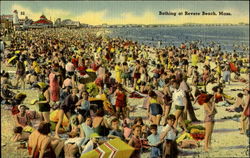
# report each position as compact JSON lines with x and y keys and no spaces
{"x":82,"y":83}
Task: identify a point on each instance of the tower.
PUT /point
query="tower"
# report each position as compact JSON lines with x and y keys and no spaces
{"x":15,"y":17}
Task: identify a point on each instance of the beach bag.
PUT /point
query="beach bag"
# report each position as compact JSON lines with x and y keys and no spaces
{"x":247,"y":112}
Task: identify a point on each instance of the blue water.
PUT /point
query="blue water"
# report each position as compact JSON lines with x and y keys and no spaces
{"x":225,"y":36}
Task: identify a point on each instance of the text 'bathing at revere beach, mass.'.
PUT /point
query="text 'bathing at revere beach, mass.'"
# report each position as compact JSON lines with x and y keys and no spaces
{"x":194,"y":13}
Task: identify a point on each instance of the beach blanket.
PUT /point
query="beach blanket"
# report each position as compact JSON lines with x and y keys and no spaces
{"x":111,"y":149}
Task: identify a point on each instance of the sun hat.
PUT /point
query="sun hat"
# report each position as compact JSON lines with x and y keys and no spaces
{"x":22,"y":105}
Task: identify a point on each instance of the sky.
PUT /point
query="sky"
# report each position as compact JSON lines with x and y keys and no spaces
{"x":130,"y":12}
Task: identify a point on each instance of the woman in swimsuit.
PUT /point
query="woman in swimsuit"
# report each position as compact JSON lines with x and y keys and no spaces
{"x":125,"y":73}
{"x":157,"y":74}
{"x":167,"y":97}
{"x":100,"y":124}
{"x":210,"y":111}
{"x":143,"y":72}
{"x":121,"y":101}
{"x":118,"y":72}
{"x":205,"y":75}
{"x":44,"y":100}
{"x":41,"y":145}
{"x":155,"y":108}
{"x":20,"y":73}
{"x":136,"y":73}
{"x":24,"y":117}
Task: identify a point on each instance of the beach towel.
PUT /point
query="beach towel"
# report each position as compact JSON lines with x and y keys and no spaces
{"x":28,"y":129}
{"x":114,"y":148}
{"x":184,"y":136}
{"x":243,"y":70}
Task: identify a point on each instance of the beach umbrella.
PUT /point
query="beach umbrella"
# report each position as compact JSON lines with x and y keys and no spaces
{"x":114,"y":148}
{"x":12,"y":59}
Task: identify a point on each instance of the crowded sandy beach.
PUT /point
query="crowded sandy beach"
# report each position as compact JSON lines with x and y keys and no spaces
{"x":79,"y":93}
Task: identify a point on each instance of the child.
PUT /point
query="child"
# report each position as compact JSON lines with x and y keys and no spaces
{"x":19,"y":135}
{"x":84,"y":105}
{"x":168,"y":135}
{"x":135,"y":142}
{"x":144,"y":136}
{"x":127,"y":131}
{"x":154,"y":142}
{"x":121,"y":101}
{"x":92,"y":144}
{"x":238,"y":105}
{"x":74,"y":126}
{"x":115,"y":132}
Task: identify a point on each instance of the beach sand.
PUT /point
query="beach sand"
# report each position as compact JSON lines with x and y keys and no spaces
{"x":226,"y":139}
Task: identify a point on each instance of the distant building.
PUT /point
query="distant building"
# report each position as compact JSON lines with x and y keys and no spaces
{"x":43,"y":22}
{"x":16,"y":24}
{"x":105,"y":25}
{"x":15,"y":17}
{"x":6,"y":21}
{"x":27,"y":23}
{"x":84,"y":25}
{"x":6,"y":24}
{"x":58,"y":22}
{"x":69,"y":23}
{"x":7,"y":17}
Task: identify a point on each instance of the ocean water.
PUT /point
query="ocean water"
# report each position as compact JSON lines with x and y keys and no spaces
{"x":229,"y":38}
